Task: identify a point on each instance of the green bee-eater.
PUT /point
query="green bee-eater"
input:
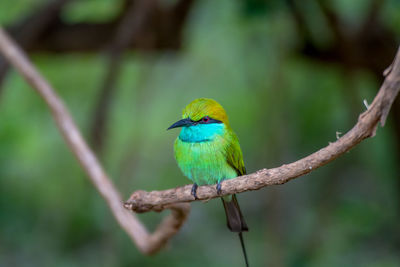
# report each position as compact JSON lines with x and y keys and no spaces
{"x":208,"y":152}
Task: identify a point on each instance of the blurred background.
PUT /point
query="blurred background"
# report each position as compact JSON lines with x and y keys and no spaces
{"x":291,"y":74}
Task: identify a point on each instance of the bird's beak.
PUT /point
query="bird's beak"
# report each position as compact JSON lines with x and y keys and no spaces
{"x":181,"y":123}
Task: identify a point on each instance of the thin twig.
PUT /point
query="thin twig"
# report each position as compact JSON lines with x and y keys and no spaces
{"x":147,"y":243}
{"x":141,"y":201}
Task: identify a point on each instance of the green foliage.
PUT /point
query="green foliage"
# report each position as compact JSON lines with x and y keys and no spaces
{"x":92,"y":10}
{"x":11,"y":10}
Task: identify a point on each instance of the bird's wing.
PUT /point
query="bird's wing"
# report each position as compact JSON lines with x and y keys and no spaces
{"x":234,"y":155}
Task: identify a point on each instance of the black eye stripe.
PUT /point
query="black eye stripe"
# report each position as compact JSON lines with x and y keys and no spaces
{"x":209,"y":120}
{"x":203,"y":119}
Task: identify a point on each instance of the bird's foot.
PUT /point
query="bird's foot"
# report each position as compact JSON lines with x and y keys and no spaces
{"x":194,"y":190}
{"x":219,"y":187}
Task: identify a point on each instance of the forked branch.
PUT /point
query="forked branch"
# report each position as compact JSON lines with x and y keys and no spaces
{"x":141,"y":201}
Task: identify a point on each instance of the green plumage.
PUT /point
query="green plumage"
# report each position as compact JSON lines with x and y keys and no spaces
{"x":212,"y":161}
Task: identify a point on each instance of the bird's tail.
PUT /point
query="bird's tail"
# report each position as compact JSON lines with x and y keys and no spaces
{"x":234,"y":217}
{"x":235,"y":220}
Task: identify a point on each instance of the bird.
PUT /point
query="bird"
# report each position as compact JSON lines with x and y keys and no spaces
{"x":208,"y":152}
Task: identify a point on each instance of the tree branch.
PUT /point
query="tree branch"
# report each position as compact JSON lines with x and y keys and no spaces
{"x":367,"y":124}
{"x":147,"y":243}
{"x":163,"y":32}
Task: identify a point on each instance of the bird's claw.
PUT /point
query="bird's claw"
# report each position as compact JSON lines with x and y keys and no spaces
{"x":194,"y":190}
{"x":219,"y":187}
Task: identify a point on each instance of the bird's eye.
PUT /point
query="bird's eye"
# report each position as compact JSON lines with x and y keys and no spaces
{"x":205,"y":119}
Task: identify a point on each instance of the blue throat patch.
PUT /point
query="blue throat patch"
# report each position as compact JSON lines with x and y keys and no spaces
{"x":201,"y":132}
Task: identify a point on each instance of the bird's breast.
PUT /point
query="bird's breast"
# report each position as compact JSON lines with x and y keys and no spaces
{"x":204,"y":162}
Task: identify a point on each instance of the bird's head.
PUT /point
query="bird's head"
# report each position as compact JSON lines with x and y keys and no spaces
{"x":202,"y":119}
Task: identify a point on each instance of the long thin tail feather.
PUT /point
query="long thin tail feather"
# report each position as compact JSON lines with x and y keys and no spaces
{"x":235,"y":220}
{"x":243,"y":249}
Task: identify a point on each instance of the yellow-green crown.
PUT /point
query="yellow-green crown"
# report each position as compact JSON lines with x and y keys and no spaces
{"x":202,"y":107}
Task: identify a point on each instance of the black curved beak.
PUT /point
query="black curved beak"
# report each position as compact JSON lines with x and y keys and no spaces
{"x":181,"y":123}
